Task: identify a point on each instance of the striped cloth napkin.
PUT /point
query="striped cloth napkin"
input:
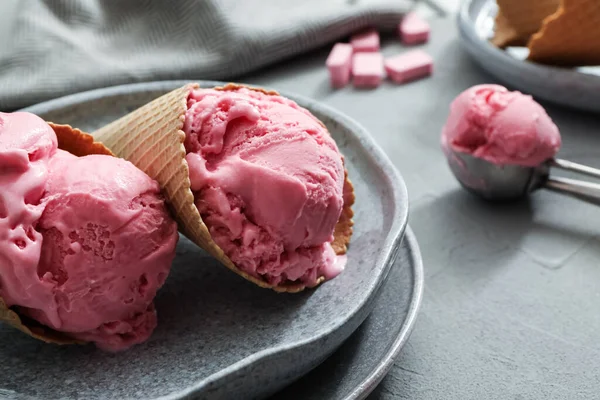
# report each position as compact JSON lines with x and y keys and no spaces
{"x":50,"y":48}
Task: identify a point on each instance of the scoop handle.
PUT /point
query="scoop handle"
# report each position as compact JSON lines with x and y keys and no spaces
{"x":582,"y":190}
{"x":574,"y":167}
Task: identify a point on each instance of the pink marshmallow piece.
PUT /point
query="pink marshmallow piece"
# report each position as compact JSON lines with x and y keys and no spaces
{"x":409,"y":66}
{"x":413,"y":29}
{"x":367,"y":69}
{"x":365,"y":41}
{"x":339,"y":64}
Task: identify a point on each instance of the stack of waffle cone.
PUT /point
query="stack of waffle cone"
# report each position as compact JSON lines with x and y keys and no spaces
{"x":518,"y":20}
{"x":152,"y":138}
{"x":569,"y":37}
{"x":557,"y":32}
{"x":80,"y":144}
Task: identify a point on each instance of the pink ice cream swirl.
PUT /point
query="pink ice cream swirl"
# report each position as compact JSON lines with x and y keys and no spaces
{"x":502,"y":127}
{"x":85,"y":242}
{"x":268,"y":181}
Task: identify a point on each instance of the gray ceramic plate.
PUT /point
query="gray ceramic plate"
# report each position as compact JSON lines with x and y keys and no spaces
{"x":219,"y":336}
{"x":578,"y":87}
{"x":353,"y":371}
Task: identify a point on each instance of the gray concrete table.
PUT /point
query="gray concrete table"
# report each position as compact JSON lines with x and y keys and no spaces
{"x":512,"y":291}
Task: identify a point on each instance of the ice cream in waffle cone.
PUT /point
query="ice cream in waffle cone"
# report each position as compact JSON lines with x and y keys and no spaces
{"x":80,"y":144}
{"x":152,"y":138}
{"x":518,"y":20}
{"x":86,"y":238}
{"x":570,"y":36}
{"x":33,"y":328}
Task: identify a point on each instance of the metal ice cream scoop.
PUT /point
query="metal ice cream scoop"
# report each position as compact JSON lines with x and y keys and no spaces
{"x":509,"y":182}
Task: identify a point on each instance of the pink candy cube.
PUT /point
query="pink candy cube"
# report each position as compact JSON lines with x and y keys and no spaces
{"x":409,"y":66}
{"x":365,"y":41}
{"x":367,"y":69}
{"x":413,"y":29}
{"x":339,"y":64}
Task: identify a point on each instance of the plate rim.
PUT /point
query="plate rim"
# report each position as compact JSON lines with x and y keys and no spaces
{"x":481,"y":49}
{"x":364,"y":388}
{"x":398,"y":336}
{"x":393,"y":178}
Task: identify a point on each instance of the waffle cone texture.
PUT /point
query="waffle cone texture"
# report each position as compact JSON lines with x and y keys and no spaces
{"x":570,"y":36}
{"x":557,"y":32}
{"x":518,"y":20}
{"x":152,"y":138}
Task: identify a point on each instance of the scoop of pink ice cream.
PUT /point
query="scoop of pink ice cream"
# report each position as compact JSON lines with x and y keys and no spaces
{"x":26,"y":145}
{"x":99,"y":246}
{"x":502,"y":127}
{"x":268,"y":180}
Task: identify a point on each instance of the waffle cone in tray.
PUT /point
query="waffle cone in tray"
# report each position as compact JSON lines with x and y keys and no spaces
{"x":152,"y":138}
{"x":518,"y":20}
{"x":80,"y":144}
{"x":570,"y":36}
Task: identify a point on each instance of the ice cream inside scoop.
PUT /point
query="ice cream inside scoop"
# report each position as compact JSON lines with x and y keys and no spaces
{"x":268,"y":180}
{"x":502,"y":127}
{"x":85,"y":242}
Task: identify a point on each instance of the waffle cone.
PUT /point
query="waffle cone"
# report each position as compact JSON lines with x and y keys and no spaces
{"x":570,"y":36}
{"x":152,"y":138}
{"x":517,"y":20}
{"x":80,"y":144}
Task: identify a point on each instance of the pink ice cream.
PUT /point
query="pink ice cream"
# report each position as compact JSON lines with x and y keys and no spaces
{"x":85,"y":242}
{"x":268,"y":180}
{"x":502,"y":127}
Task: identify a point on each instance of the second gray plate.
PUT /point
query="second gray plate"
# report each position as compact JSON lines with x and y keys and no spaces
{"x":358,"y":366}
{"x":218,"y":335}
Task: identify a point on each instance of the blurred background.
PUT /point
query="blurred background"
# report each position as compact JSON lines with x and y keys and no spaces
{"x":50,"y":48}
